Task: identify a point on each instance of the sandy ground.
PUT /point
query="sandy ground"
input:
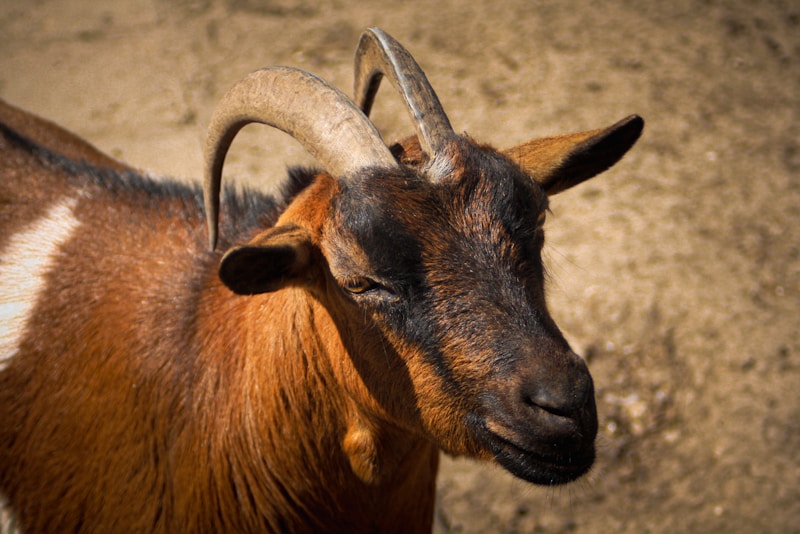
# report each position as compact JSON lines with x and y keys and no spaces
{"x":677,"y":274}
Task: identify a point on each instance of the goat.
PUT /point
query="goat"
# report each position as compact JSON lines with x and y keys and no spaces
{"x":384,"y":307}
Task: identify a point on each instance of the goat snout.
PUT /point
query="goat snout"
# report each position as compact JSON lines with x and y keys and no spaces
{"x":562,"y":404}
{"x":542,"y":427}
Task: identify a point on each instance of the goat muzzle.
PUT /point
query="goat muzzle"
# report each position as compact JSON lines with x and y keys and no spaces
{"x":542,"y":428}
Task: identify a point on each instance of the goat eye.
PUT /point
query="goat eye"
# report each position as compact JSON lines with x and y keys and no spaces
{"x":542,"y":218}
{"x":359,"y":285}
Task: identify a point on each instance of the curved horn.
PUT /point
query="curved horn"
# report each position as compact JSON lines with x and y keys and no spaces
{"x":319,"y":116}
{"x":378,"y":54}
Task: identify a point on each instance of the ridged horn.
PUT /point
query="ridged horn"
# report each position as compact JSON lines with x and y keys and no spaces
{"x":378,"y":55}
{"x":327,"y":123}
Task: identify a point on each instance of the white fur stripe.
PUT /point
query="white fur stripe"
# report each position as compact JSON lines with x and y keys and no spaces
{"x":7,"y":523}
{"x":24,"y":265}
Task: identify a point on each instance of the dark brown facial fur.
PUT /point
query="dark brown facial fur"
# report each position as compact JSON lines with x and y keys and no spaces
{"x":453,"y":269}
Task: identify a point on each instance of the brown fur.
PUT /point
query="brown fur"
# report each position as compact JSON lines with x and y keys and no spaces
{"x":53,"y":137}
{"x":220,"y":446}
{"x":147,"y":396}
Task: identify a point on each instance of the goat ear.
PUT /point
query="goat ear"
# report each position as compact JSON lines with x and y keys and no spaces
{"x":560,"y":162}
{"x":409,"y":152}
{"x":276,"y":258}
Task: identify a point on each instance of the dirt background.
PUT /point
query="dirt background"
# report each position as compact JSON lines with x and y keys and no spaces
{"x":677,"y":274}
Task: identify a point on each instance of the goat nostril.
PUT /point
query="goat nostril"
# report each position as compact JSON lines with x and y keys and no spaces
{"x":542,"y":402}
{"x":560,"y":411}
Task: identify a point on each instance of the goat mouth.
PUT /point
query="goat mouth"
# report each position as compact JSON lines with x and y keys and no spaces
{"x":543,"y":469}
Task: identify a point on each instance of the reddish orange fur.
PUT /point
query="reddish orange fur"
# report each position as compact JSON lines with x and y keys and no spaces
{"x":222,"y":464}
{"x":53,"y":137}
{"x":157,"y":400}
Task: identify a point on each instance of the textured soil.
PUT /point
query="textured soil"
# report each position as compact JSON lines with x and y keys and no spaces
{"x":677,"y":273}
